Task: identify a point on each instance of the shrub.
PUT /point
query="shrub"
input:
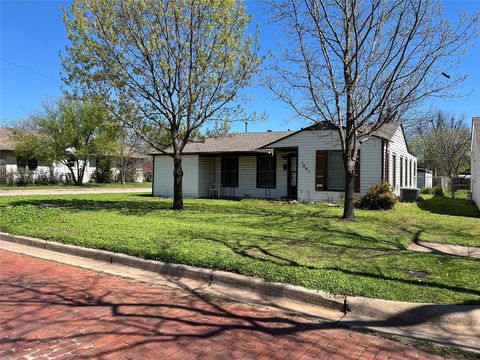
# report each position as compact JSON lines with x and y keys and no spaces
{"x":103,"y":174}
{"x":438,"y":191}
{"x":42,"y":178}
{"x":427,"y":191}
{"x":379,"y":197}
{"x":23,"y":177}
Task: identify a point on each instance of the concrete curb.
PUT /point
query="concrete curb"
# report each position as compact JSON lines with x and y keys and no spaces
{"x":276,"y":290}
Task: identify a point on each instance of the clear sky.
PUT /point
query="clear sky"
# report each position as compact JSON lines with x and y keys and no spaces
{"x":33,"y":34}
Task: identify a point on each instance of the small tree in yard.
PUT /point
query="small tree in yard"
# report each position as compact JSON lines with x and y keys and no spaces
{"x":357,"y":65}
{"x":176,"y":65}
{"x":68,"y":132}
{"x":443,"y":143}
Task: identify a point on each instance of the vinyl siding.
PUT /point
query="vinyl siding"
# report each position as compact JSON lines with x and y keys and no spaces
{"x":163,"y":176}
{"x":475,"y":163}
{"x":398,"y":146}
{"x":308,"y":142}
{"x":247,"y":178}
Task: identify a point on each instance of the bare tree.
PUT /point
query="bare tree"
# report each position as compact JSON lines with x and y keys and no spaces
{"x":443,"y":143}
{"x":357,"y":65}
{"x":177,"y":64}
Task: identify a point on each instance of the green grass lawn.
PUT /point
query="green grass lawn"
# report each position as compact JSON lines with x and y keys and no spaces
{"x":306,"y":245}
{"x":147,"y":185}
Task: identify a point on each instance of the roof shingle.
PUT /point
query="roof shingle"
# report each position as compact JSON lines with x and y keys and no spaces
{"x":235,"y":143}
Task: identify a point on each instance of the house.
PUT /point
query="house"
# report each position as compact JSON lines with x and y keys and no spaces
{"x":10,"y":164}
{"x":424,"y":178}
{"x":475,"y":161}
{"x":305,"y":165}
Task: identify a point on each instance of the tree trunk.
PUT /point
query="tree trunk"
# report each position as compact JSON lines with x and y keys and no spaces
{"x":348,"y":208}
{"x":453,"y":186}
{"x":177,"y":182}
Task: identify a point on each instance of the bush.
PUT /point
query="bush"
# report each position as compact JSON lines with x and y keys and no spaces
{"x":22,"y":177}
{"x":426,"y":191}
{"x":379,"y":197}
{"x":103,"y":173}
{"x":438,"y":191}
{"x":43,"y":178}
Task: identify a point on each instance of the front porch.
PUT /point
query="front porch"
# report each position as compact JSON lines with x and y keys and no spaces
{"x":266,"y":174}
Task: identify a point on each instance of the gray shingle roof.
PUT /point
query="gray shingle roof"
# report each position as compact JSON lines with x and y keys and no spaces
{"x":386,"y":131}
{"x":6,"y":139}
{"x":235,"y":143}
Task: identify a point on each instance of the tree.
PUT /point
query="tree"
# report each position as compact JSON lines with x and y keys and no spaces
{"x":357,"y":65}
{"x":178,"y":65}
{"x":68,"y":132}
{"x":443,"y":144}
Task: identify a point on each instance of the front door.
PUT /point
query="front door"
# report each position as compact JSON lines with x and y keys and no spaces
{"x":292,"y":176}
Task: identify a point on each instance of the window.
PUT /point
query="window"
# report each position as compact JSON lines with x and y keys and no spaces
{"x":410,"y":172}
{"x":394,"y":170}
{"x":71,"y":163}
{"x":401,"y":171}
{"x":406,"y":172}
{"x":230,"y":171}
{"x":266,"y":172}
{"x":336,"y":171}
{"x":24,"y":163}
{"x":330,"y":172}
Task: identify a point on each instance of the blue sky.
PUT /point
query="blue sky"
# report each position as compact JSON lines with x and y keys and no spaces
{"x":33,"y":34}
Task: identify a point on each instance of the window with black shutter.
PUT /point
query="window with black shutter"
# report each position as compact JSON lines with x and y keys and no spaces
{"x":394,"y":170}
{"x":266,"y":172}
{"x":230,"y":171}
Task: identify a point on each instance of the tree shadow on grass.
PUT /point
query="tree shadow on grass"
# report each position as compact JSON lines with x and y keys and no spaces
{"x":448,"y":206}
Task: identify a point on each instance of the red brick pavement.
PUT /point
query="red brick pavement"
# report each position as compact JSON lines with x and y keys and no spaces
{"x":55,"y":311}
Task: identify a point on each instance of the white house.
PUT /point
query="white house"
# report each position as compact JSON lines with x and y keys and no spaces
{"x":305,"y":165}
{"x":11,"y":164}
{"x":475,"y":161}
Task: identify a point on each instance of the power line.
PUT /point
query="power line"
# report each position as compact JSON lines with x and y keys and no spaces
{"x":30,"y":70}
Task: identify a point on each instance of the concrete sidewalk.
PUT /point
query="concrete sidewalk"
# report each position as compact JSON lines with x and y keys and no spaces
{"x":443,"y":324}
{"x":80,"y":191}
{"x":445,"y":249}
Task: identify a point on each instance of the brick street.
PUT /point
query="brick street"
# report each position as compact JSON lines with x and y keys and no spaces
{"x":54,"y":311}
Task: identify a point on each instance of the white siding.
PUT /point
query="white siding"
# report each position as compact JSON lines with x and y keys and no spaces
{"x":163,"y":176}
{"x":308,"y":142}
{"x":247,"y":178}
{"x":398,"y":147}
{"x":475,"y":162}
{"x":205,"y":175}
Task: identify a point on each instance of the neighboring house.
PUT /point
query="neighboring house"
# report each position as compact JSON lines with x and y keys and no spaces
{"x":10,"y":164}
{"x":475,"y":161}
{"x":306,"y":165}
{"x":424,"y":178}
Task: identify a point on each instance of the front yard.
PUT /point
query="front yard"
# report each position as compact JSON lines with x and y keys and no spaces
{"x":305,"y":245}
{"x":146,"y":185}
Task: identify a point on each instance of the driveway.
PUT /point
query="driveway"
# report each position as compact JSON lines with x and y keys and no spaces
{"x":50,"y":310}
{"x":74,"y":191}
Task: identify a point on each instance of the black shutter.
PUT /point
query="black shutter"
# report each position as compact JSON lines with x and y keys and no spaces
{"x":357,"y":173}
{"x":321,"y":170}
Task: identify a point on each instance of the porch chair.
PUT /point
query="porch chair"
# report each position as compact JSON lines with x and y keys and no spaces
{"x":214,"y":189}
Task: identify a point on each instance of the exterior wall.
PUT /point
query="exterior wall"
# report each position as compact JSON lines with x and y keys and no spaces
{"x":308,"y":142}
{"x":247,"y":178}
{"x":163,"y":176}
{"x":398,"y":147}
{"x":475,"y":163}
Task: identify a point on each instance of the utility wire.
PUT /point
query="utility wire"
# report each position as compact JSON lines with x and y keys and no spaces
{"x":30,"y":70}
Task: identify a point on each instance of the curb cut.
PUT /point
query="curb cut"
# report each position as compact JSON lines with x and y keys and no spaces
{"x":276,"y":290}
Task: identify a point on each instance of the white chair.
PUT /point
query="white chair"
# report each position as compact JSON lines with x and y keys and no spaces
{"x":214,"y":189}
